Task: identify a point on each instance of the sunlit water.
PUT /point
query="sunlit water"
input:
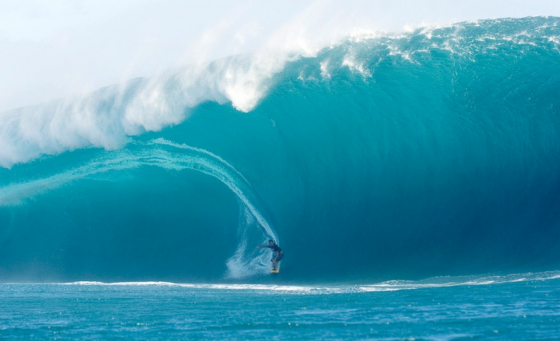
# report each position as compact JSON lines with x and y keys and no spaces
{"x":524,"y":307}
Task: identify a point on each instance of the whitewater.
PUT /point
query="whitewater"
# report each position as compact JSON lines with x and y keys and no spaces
{"x":412,"y":180}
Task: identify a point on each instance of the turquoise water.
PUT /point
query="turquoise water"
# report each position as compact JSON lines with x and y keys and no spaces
{"x":375,"y":162}
{"x":521,"y":307}
{"x":396,"y":156}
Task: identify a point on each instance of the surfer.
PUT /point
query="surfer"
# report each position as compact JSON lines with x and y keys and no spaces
{"x":277,"y":253}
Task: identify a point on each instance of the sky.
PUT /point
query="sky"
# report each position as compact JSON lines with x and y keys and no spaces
{"x":59,"y":48}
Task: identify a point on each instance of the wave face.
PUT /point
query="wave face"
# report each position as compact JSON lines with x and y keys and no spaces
{"x":428,"y":153}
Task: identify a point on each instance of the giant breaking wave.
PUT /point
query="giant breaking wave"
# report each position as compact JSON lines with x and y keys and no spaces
{"x":381,"y":156}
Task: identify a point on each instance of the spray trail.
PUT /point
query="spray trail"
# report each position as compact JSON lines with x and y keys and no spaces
{"x":170,"y":156}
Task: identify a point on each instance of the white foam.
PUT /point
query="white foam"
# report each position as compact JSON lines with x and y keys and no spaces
{"x":446,"y":282}
{"x":260,"y":287}
{"x":355,"y":66}
{"x":389,"y":286}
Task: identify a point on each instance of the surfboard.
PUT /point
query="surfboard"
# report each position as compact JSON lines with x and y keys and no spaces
{"x":272,"y":271}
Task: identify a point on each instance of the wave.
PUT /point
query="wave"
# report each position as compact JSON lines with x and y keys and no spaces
{"x":407,"y":155}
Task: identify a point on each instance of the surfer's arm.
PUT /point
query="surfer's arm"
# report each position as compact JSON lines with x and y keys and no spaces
{"x":258,"y":247}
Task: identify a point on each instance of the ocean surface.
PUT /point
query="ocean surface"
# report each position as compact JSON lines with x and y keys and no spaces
{"x":376,"y":158}
{"x":514,"y":307}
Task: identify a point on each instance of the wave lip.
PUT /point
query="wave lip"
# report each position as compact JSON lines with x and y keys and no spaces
{"x":106,"y":117}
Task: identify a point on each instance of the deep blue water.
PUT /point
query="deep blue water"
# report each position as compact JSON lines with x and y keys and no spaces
{"x":521,"y":307}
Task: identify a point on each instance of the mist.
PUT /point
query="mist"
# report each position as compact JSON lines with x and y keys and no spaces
{"x":62,"y":48}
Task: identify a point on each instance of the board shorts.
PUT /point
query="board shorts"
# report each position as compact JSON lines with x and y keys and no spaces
{"x":280,"y":256}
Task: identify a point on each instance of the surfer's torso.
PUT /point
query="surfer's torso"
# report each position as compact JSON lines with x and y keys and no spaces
{"x":275,"y":248}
